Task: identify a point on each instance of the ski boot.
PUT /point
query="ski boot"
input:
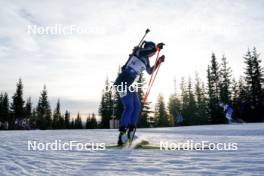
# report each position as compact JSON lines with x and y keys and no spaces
{"x":122,"y":138}
{"x":131,"y":133}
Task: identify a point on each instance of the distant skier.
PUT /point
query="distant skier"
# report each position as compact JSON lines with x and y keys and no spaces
{"x":179,"y":119}
{"x":228,"y":110}
{"x":138,"y":62}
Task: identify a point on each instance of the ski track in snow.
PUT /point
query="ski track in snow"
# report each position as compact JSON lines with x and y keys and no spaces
{"x":15,"y":159}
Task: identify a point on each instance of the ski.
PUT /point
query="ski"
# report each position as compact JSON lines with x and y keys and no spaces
{"x":135,"y":144}
{"x":146,"y":145}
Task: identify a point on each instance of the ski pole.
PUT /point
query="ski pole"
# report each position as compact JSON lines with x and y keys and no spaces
{"x":149,"y":88}
{"x":152,"y":82}
{"x":141,"y":41}
{"x":154,"y":69}
{"x":138,"y":46}
{"x":152,"y":79}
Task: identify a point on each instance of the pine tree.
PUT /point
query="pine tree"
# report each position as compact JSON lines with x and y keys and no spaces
{"x":72,"y":125}
{"x":28,"y":108}
{"x":33,"y":121}
{"x":192,"y":102}
{"x":61,"y":122}
{"x":184,"y":98}
{"x":106,"y":107}
{"x":44,"y":120}
{"x":1,"y":108}
{"x":202,"y":109}
{"x":160,"y":113}
{"x":216,"y":112}
{"x":254,"y":81}
{"x":93,"y":121}
{"x":78,"y":122}
{"x":189,"y":104}
{"x":103,"y":111}
{"x":58,"y":121}
{"x":242,"y":102}
{"x":225,"y":82}
{"x":67,"y":117}
{"x":17,"y":105}
{"x":174,"y":107}
{"x":4,"y":108}
{"x":234,"y":92}
{"x":117,"y":104}
{"x":88,"y":122}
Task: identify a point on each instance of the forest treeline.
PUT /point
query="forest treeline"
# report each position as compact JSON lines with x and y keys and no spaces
{"x":20,"y":113}
{"x":198,"y":102}
{"x":195,"y":103}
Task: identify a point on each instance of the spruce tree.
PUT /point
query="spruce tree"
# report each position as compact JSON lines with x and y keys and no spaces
{"x":61,"y":122}
{"x":17,"y":105}
{"x":161,"y":113}
{"x":202,"y":109}
{"x":192,"y":103}
{"x":235,"y":99}
{"x":242,"y":101}
{"x":28,"y":108}
{"x":186,"y":102}
{"x":254,"y":80}
{"x":174,"y":107}
{"x":216,"y":112}
{"x":93,"y":121}
{"x":103,"y":111}
{"x":225,"y":81}
{"x":117,"y":104}
{"x":1,"y":108}
{"x":67,"y":119}
{"x":88,"y":122}
{"x":4,"y":108}
{"x":78,"y":122}
{"x":72,"y":125}
{"x":33,"y":121}
{"x":189,"y":104}
{"x":44,"y":120}
{"x":58,"y":121}
{"x":106,"y":106}
{"x":184,"y":99}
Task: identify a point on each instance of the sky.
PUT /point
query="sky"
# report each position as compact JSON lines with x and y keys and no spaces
{"x":74,"y":66}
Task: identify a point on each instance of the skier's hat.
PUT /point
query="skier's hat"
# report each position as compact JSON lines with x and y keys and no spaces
{"x":149,"y":44}
{"x":149,"y":47}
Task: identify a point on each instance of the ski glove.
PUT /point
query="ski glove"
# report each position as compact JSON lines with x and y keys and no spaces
{"x":161,"y":59}
{"x":160,"y":46}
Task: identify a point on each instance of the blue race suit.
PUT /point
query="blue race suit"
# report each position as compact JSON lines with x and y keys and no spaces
{"x":135,"y":65}
{"x":229,"y":111}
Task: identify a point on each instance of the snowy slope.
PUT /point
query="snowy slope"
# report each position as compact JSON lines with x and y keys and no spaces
{"x":15,"y":159}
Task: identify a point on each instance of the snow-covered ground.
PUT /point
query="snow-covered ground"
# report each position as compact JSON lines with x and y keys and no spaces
{"x":15,"y":159}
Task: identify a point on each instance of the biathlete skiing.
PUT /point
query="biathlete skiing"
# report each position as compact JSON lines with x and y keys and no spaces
{"x":228,"y":111}
{"x":137,"y":62}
